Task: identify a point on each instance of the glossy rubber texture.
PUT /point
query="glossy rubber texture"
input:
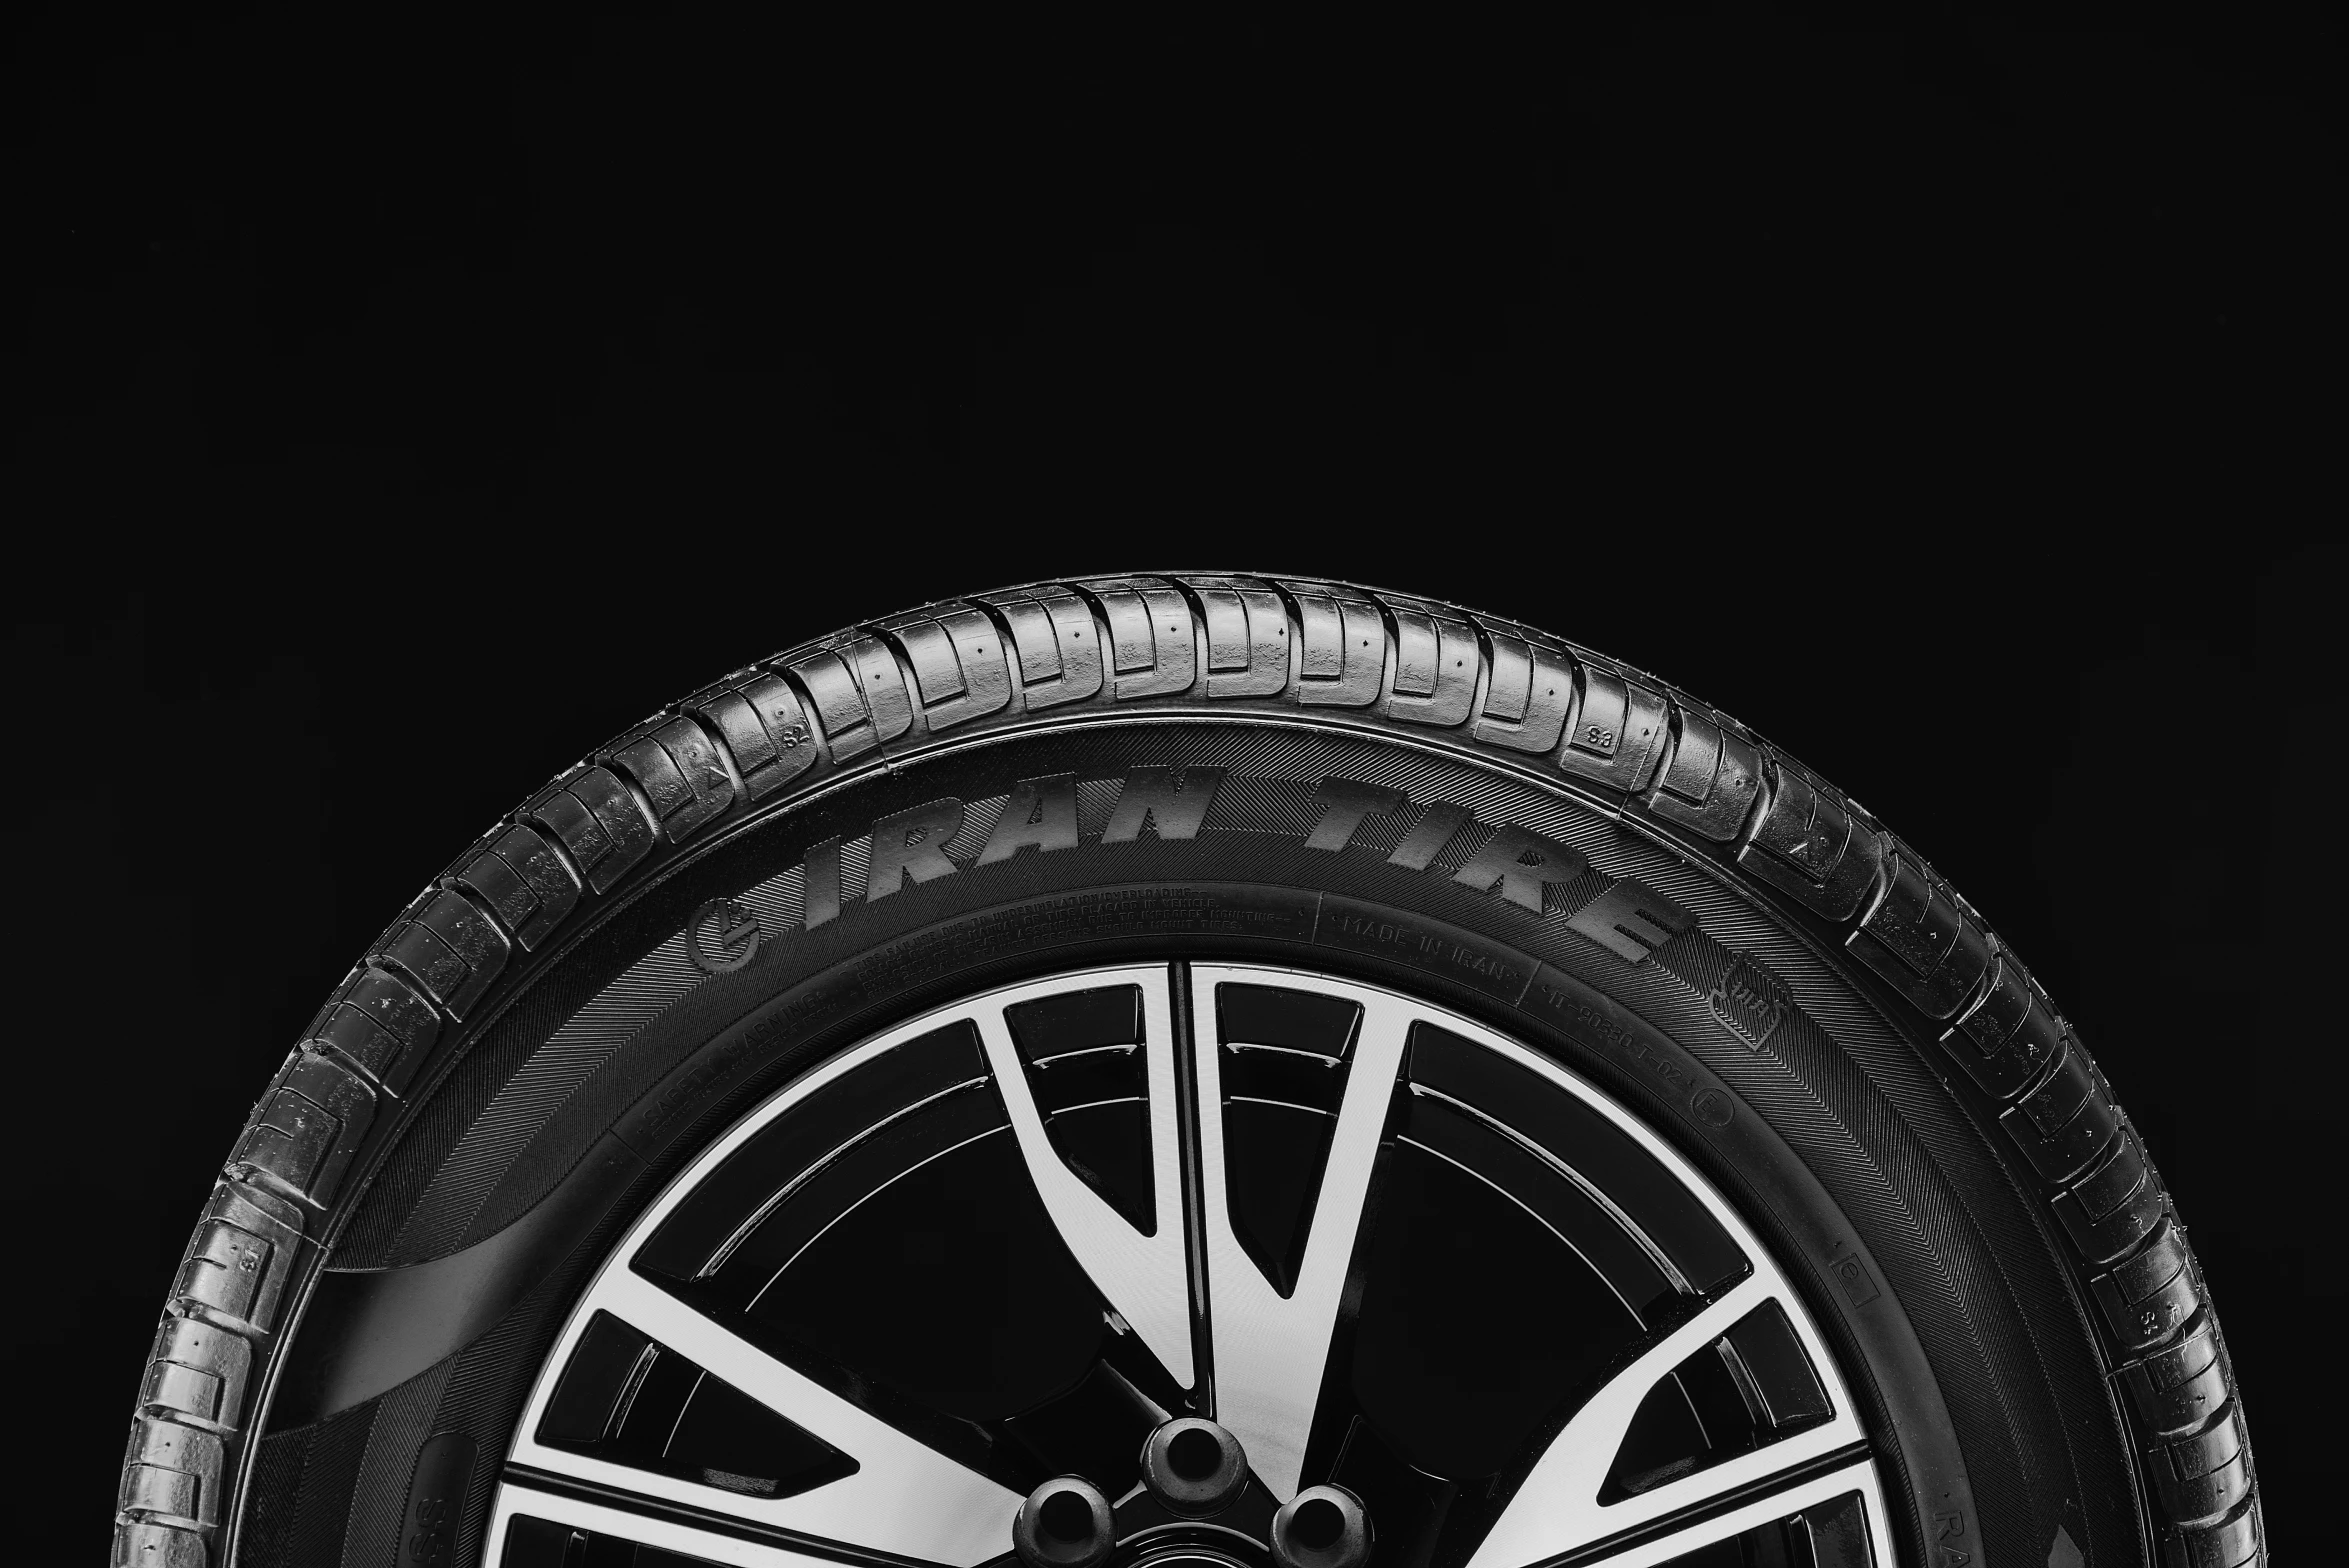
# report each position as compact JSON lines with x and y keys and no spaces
{"x":850,"y":709}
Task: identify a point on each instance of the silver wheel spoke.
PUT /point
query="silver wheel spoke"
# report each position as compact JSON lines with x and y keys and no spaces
{"x":1145,"y":1278}
{"x":1270,"y":1350}
{"x":1706,"y":1527}
{"x":519,"y":1499}
{"x":1558,"y":1510}
{"x":905,"y":1497}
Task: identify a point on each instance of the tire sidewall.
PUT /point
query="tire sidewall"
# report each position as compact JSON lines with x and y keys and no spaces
{"x":1822,"y":1133}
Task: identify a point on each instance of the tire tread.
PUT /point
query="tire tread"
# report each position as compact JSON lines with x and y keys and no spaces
{"x":860,"y":698}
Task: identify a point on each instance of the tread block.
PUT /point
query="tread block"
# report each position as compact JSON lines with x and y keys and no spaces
{"x":199,"y":1371}
{"x":1917,"y":938}
{"x":175,"y":1390}
{"x":929,"y":649}
{"x":1437,"y":660}
{"x":468,"y":931}
{"x":1811,"y":842}
{"x":959,"y":664}
{"x":839,"y":705}
{"x":574,"y":827}
{"x":882,"y":683}
{"x":2180,"y":1388}
{"x":2230,"y":1543}
{"x":554,"y":887}
{"x":654,"y":772}
{"x":1615,"y":738}
{"x":859,"y":696}
{"x":225,"y":1271}
{"x":379,"y":1023}
{"x":2066,"y":1119}
{"x":142,"y":1543}
{"x":488,"y":878}
{"x":2151,"y":1294}
{"x":2113,"y":1207}
{"x":617,"y":812}
{"x":425,"y":958}
{"x":305,"y":1134}
{"x":1532,"y":688}
{"x":1710,"y":777}
{"x":172,"y":1473}
{"x":1908,"y":922}
{"x":2206,"y":1475}
{"x":1342,"y":646}
{"x":236,"y":1264}
{"x":451,"y":947}
{"x":679,"y":769}
{"x":1152,"y":641}
{"x":761,"y":722}
{"x":1247,"y":636}
{"x":1057,"y":643}
{"x":351,"y":1035}
{"x":2012,"y":1032}
{"x":594,"y":817}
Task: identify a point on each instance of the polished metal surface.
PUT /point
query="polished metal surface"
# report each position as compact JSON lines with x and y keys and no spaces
{"x":1269,"y":1348}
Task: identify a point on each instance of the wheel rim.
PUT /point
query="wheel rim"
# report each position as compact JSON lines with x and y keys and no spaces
{"x":1380,"y":1244}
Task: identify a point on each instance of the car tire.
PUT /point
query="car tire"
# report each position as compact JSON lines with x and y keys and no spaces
{"x":1661,"y":924}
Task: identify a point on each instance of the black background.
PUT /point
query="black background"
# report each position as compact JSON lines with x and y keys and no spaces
{"x":408,"y":403}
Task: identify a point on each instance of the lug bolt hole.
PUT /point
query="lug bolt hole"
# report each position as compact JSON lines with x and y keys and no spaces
{"x":1194,"y":1468}
{"x":1194,"y":1455}
{"x":1321,"y":1527}
{"x":1316,"y":1526}
{"x":1065,"y":1523}
{"x":1066,"y":1516}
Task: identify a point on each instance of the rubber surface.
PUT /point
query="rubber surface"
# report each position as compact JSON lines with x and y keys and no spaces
{"x":862,"y":706}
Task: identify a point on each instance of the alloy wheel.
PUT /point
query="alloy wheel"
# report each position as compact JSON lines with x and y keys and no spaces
{"x":997,"y":1257}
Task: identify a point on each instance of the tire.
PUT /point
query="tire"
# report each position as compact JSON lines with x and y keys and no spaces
{"x":1661,"y":920}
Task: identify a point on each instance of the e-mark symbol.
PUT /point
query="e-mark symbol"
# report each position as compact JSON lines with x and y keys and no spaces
{"x":722,"y":936}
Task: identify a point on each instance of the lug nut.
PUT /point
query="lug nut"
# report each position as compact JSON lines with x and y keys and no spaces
{"x":1321,"y":1527}
{"x":1194,"y":1467}
{"x":1064,"y":1524}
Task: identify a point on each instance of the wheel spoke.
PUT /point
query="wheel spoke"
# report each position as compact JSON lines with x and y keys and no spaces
{"x":647,"y":1525}
{"x":1557,"y":1510}
{"x":1144,"y":1278}
{"x":1688,"y":1529}
{"x":904,"y":1497}
{"x":1270,"y":1350}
